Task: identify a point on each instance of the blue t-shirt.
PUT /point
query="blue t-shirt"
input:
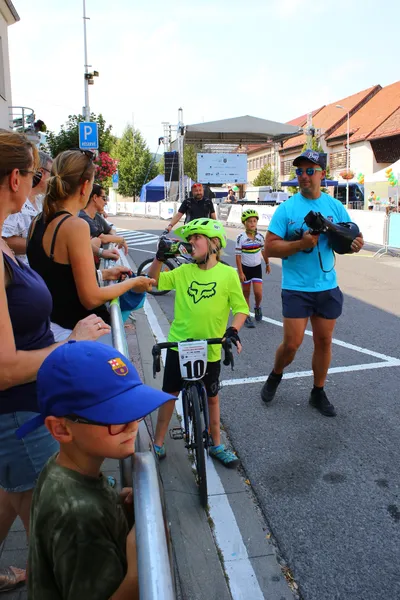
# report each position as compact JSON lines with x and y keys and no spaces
{"x":302,"y":271}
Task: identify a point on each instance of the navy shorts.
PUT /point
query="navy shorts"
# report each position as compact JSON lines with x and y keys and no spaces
{"x":173,"y":381}
{"x":300,"y":305}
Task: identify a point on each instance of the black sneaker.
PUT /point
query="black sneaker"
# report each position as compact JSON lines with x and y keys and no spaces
{"x":269,"y":388}
{"x":319,"y":400}
{"x":249,"y":323}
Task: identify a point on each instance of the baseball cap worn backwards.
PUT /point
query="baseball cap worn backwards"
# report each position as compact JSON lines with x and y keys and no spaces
{"x":93,"y":381}
{"x":318,"y":158}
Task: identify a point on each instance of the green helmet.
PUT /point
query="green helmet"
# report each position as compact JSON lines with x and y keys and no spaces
{"x":250,"y":212}
{"x":208,"y":227}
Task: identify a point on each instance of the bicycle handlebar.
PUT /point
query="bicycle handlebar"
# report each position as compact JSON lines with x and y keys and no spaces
{"x":225,"y":342}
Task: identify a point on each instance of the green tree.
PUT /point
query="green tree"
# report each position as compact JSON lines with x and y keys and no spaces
{"x":315,"y":145}
{"x":136,"y":165}
{"x":68,"y":136}
{"x":265,"y":176}
{"x":190,"y":160}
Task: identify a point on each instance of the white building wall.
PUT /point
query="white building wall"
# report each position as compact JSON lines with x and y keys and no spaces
{"x":5,"y":97}
{"x":362,"y":159}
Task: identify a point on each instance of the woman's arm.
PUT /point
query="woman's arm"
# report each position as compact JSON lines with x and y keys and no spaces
{"x":77,"y":238}
{"x":20,"y":366}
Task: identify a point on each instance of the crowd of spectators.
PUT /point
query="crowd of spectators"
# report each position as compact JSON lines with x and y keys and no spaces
{"x":52,"y":299}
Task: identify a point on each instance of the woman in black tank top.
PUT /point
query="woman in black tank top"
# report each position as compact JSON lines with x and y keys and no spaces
{"x":59,"y":247}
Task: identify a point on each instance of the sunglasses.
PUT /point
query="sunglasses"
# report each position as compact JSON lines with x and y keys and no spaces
{"x":89,"y":154}
{"x":112,"y":429}
{"x":309,"y":171}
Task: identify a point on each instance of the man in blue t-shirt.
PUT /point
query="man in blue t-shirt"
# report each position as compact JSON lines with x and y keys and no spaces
{"x":309,"y":285}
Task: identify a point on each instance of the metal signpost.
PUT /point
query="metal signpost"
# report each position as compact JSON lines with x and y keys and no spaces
{"x":88,"y":136}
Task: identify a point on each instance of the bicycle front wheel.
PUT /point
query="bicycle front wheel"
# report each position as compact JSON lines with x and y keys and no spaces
{"x":144,"y":267}
{"x":196,"y":443}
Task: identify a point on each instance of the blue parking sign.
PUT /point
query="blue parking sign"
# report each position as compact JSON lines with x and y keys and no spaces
{"x":115,"y":180}
{"x":88,"y":136}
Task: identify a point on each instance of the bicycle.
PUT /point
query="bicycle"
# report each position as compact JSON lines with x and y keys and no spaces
{"x":170,"y":263}
{"x":196,"y":421}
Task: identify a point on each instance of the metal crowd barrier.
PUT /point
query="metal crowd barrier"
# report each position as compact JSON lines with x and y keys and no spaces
{"x":140,"y":472}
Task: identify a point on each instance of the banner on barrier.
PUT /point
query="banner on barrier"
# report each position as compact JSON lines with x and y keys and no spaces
{"x":223,"y":212}
{"x":371,"y":224}
{"x":167,"y":210}
{"x":394,"y":230}
{"x":235,"y":214}
{"x":153,"y":209}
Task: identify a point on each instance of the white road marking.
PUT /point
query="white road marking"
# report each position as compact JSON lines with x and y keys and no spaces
{"x":299,"y":374}
{"x":243,"y":582}
{"x":338,"y":342}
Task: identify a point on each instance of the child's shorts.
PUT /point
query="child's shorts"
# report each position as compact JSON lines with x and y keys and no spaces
{"x":173,"y":381}
{"x":252,"y":274}
{"x":21,"y":461}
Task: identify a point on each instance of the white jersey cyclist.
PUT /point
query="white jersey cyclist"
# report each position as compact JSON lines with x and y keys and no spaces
{"x":249,"y":249}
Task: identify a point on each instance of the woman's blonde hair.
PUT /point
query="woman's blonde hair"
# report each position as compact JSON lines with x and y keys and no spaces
{"x":69,"y":170}
{"x":16,"y":152}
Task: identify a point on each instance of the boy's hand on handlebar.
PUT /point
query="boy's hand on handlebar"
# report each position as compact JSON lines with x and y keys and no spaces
{"x":232,"y":334}
{"x":143,"y":284}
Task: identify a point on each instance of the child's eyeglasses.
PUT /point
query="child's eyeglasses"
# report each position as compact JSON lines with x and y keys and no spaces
{"x":112,"y":429}
{"x":310,"y":171}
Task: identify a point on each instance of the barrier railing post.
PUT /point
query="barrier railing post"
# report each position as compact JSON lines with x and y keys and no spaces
{"x":384,"y":249}
{"x":155,"y":577}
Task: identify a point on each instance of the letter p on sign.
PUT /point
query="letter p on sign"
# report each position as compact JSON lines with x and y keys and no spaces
{"x":88,"y":136}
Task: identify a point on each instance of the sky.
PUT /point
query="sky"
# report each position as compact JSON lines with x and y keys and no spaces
{"x":273,"y":59}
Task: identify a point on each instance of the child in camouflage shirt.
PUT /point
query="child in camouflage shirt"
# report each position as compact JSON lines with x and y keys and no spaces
{"x":91,"y":399}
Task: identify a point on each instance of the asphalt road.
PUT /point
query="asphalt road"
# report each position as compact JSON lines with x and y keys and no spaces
{"x":329,"y":488}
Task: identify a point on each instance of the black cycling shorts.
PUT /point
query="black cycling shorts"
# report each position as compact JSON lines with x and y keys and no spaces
{"x":173,"y":381}
{"x":252,"y":274}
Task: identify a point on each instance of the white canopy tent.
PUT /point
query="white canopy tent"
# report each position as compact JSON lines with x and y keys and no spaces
{"x":239,"y":130}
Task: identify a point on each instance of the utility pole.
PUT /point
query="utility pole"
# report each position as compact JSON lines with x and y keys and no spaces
{"x":86,"y":108}
{"x":88,"y":77}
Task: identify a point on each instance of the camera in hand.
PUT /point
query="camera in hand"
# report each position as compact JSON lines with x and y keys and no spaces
{"x":171,"y":247}
{"x":340,"y":235}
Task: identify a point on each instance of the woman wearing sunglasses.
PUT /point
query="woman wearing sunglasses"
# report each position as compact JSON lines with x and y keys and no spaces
{"x":26,"y":340}
{"x":309,"y":284}
{"x":60,"y":250}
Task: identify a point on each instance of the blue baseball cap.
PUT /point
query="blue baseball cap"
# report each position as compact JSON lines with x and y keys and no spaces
{"x":93,"y":381}
{"x":318,"y":158}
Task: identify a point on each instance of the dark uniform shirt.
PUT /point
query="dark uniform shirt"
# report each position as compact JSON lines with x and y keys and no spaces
{"x":98,"y":225}
{"x":78,"y":532}
{"x":196,"y":209}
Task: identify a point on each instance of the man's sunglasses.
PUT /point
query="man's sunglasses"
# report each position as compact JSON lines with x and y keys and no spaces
{"x":112,"y":429}
{"x":309,"y":171}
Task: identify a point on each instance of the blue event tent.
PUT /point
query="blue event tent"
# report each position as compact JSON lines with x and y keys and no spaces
{"x":153,"y":191}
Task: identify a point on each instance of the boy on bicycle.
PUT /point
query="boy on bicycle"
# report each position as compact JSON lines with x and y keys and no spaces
{"x":206,"y":291}
{"x":249,"y":250}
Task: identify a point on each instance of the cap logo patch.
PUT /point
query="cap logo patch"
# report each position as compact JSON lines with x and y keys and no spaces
{"x":118,"y":366}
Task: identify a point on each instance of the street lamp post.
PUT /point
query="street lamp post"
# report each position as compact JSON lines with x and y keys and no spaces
{"x":86,"y":108}
{"x":347,"y":153}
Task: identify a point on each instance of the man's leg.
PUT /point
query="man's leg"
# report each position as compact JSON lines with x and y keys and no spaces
{"x":293,"y":334}
{"x":322,"y":335}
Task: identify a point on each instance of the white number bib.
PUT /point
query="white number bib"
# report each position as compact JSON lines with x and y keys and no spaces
{"x":192,"y":359}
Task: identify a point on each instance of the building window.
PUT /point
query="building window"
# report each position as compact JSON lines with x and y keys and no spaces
{"x":286,"y":167}
{"x":338,"y":160}
{"x":2,"y":77}
{"x":257,"y":163}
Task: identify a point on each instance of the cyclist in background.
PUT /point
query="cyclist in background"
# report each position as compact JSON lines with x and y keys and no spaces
{"x":249,"y":250}
{"x":206,"y":291}
{"x":195,"y":207}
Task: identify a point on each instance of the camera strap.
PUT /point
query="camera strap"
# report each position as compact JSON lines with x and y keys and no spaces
{"x":321,"y":263}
